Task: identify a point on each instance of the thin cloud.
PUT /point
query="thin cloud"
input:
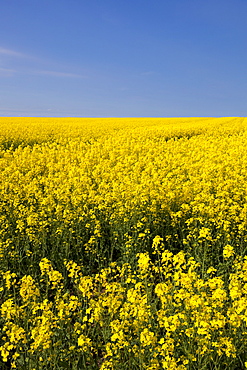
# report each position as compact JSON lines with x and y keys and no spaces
{"x":38,"y":112}
{"x":7,"y":70}
{"x":59,"y":74}
{"x":11,"y":53}
{"x":33,"y":71}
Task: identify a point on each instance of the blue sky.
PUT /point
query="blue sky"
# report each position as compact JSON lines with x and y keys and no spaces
{"x":123,"y":58}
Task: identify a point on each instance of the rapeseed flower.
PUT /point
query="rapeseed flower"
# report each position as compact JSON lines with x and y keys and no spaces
{"x":126,"y":220}
{"x":228,"y":251}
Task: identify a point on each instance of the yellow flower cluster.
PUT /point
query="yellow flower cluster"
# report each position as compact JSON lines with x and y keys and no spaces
{"x":87,"y":183}
{"x":123,"y":243}
{"x":174,"y":318}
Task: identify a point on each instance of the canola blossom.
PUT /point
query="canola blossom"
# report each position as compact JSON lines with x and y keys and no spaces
{"x":123,"y":243}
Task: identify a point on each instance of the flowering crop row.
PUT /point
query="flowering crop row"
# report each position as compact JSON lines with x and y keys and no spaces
{"x":163,"y":314}
{"x":123,"y":243}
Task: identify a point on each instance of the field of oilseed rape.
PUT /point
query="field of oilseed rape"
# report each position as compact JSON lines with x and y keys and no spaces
{"x":123,"y":243}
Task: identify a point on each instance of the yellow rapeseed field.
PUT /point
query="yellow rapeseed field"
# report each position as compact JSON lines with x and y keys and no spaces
{"x":123,"y":243}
